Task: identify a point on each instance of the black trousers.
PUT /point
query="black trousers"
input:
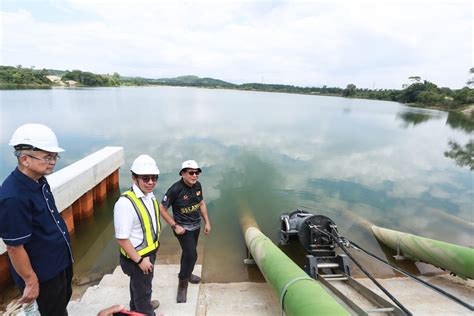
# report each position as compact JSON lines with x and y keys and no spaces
{"x":188,"y":242}
{"x":55,"y":294}
{"x":140,"y":285}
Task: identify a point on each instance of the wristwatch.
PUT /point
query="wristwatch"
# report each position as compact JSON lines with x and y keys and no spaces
{"x":173,"y":226}
{"x":140,"y":261}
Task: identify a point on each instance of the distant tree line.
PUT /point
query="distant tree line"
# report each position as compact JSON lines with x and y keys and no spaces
{"x":19,"y":77}
{"x":89,"y":79}
{"x":418,"y":92}
{"x":26,"y":78}
{"x":424,"y":94}
{"x":289,"y":89}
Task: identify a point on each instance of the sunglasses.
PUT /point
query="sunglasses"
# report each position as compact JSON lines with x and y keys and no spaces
{"x":153,"y":178}
{"x":192,"y":173}
{"x":47,"y":159}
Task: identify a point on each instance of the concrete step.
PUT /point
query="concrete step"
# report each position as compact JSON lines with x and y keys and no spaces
{"x":113,"y":289}
{"x":240,"y":298}
{"x":212,"y":299}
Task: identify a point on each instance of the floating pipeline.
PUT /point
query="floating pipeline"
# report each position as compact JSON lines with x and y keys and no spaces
{"x":298,"y":293}
{"x":456,"y":259}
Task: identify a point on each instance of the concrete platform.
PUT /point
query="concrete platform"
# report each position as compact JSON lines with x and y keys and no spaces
{"x":113,"y":289}
{"x":421,"y":300}
{"x":257,"y":299}
{"x":244,"y":298}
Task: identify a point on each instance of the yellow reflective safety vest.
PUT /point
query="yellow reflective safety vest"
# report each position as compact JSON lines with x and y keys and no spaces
{"x":150,"y":239}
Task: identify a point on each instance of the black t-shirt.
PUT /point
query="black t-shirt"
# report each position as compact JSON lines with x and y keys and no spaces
{"x":186,"y":203}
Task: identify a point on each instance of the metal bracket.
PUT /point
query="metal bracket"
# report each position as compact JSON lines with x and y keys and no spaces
{"x":311,"y":266}
{"x":343,"y":262}
{"x":249,"y":260}
{"x":399,"y":255}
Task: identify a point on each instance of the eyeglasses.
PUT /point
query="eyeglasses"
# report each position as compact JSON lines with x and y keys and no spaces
{"x":46,"y":159}
{"x":192,"y":173}
{"x":153,"y":178}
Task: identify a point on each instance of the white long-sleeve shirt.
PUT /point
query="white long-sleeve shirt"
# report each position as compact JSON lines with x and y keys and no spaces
{"x":126,"y":221}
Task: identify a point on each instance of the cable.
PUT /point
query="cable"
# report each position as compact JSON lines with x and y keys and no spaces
{"x":403,"y":308}
{"x":433,"y":287}
{"x":337,"y":239}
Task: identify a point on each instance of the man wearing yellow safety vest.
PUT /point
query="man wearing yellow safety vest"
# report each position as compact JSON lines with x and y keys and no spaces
{"x":137,"y":230}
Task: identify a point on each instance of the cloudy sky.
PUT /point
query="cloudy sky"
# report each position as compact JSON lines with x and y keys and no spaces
{"x":373,"y":44}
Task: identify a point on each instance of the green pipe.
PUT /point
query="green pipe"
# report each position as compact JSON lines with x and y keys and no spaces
{"x":450,"y":257}
{"x":304,"y":296}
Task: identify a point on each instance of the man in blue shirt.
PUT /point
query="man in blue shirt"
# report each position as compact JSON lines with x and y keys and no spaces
{"x":36,"y":236}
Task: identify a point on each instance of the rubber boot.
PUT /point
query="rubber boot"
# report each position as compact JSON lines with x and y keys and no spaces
{"x":194,"y":279}
{"x":182,"y":290}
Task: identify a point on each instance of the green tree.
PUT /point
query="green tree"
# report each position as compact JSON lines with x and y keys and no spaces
{"x":410,"y":94}
{"x":464,"y":96}
{"x":19,"y":77}
{"x":431,"y":97}
{"x":470,"y":82}
{"x":88,"y":79}
{"x":349,"y":91}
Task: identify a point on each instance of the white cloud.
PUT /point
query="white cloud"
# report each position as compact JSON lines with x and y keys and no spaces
{"x":311,"y":43}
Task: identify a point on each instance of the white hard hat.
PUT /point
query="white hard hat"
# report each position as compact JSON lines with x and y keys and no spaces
{"x":37,"y":136}
{"x":144,"y":164}
{"x":189,"y":164}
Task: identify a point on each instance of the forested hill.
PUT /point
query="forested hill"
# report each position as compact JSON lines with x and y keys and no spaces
{"x":31,"y":78}
{"x":417,"y":92}
{"x":194,"y":80}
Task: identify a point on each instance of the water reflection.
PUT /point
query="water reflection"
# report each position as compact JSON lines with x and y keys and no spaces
{"x":250,"y":185}
{"x":413,"y":118}
{"x":268,"y":153}
{"x":94,"y":246}
{"x":463,"y":155}
{"x":460,"y":121}
{"x":427,"y":215}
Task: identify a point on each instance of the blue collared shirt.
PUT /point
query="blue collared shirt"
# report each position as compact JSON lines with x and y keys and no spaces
{"x":29,"y":217}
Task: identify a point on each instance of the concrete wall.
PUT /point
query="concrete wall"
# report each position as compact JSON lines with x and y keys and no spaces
{"x":73,"y":181}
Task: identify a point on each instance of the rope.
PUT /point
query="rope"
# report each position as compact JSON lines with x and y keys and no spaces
{"x":285,"y":289}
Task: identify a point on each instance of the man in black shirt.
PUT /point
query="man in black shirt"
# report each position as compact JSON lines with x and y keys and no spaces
{"x":186,"y":199}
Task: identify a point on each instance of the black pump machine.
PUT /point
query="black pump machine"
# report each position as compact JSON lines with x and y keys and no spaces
{"x":314,"y":234}
{"x":318,"y":235}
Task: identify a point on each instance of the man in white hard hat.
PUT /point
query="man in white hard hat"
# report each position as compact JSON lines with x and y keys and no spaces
{"x":36,"y":236}
{"x":186,"y":199}
{"x":137,"y":230}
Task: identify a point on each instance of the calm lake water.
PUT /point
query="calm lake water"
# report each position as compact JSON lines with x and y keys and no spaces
{"x":359,"y":162}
